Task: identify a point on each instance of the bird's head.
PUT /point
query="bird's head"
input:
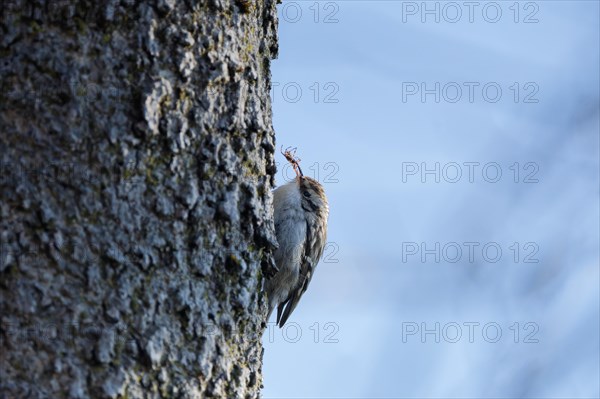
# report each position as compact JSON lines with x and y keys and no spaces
{"x":313,"y":196}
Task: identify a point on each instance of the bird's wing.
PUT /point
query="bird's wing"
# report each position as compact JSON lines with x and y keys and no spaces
{"x":307,"y":267}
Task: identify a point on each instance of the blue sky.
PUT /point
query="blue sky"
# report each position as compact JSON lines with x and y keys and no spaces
{"x":499,"y":160}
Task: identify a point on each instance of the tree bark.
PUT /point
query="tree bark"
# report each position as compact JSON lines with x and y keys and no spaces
{"x":137,"y":157}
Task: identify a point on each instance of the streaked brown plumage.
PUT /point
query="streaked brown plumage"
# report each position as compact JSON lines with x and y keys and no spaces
{"x":300,"y":211}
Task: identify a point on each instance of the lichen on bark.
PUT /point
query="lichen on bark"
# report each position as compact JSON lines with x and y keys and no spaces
{"x":137,"y":161}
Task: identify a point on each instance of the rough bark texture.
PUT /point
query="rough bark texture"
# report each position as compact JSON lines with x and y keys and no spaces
{"x":136,"y":149}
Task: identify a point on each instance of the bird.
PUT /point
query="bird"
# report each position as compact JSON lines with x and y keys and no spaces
{"x":301,"y":211}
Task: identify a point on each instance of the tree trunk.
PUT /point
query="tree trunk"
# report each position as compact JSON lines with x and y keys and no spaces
{"x":137,"y":157}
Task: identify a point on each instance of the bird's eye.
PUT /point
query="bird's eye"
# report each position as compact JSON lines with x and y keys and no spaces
{"x":306,"y":194}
